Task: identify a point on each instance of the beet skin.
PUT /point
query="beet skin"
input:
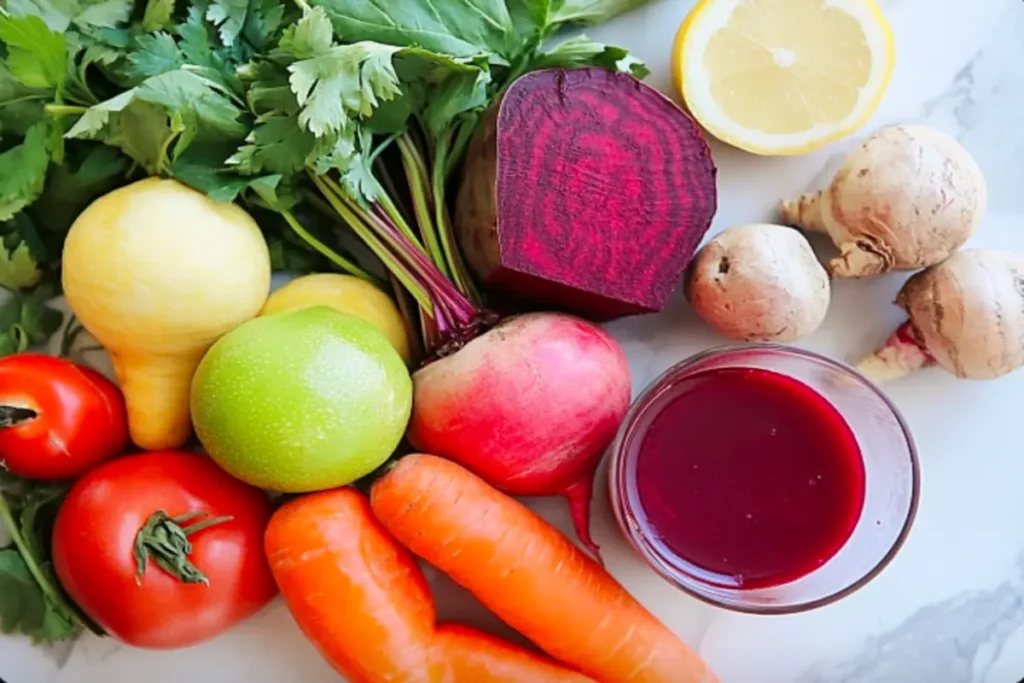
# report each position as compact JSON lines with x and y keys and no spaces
{"x":530,"y":406}
{"x":586,"y":191}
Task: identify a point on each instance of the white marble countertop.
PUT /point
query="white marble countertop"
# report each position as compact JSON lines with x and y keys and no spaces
{"x":950,"y":608}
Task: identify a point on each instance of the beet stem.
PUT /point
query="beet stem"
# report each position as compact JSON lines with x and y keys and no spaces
{"x":444,"y":224}
{"x":452,"y":316}
{"x":415,"y":174}
{"x":334,"y":257}
{"x":359,"y":226}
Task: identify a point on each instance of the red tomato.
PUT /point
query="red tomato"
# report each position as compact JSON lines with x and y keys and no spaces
{"x":61,"y":419}
{"x":95,"y":536}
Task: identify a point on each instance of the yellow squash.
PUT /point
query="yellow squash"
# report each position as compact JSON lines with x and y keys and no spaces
{"x":157,"y":272}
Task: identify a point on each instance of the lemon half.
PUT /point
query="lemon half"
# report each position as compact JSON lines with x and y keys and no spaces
{"x":783,"y":77}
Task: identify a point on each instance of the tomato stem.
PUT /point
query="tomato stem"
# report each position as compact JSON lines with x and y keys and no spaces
{"x":165,"y":541}
{"x":11,"y":416}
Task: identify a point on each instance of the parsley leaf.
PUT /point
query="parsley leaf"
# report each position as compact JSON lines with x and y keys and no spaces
{"x":31,"y":600}
{"x":264,"y":19}
{"x":145,"y":120}
{"x":35,"y":53}
{"x":27,"y":320}
{"x":89,"y":171}
{"x":310,"y":36}
{"x":23,"y":607}
{"x":157,"y":15}
{"x":275,"y":145}
{"x":229,"y":16}
{"x":155,"y":54}
{"x":461,"y":28}
{"x":105,"y":13}
{"x":346,"y":82}
{"x":591,"y":12}
{"x":20,"y":106}
{"x":57,"y":14}
{"x":581,"y":52}
{"x":17,"y":268}
{"x":23,"y":169}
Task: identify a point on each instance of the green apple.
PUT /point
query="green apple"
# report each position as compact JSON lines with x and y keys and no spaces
{"x":303,"y":400}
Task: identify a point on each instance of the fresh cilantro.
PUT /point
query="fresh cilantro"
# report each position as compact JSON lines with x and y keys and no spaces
{"x":20,"y":106}
{"x":581,"y":51}
{"x":264,"y":20}
{"x":27,"y":320}
{"x":229,"y":16}
{"x":460,"y":28}
{"x":591,"y":12}
{"x":104,"y":14}
{"x":310,"y":36}
{"x":23,"y":169}
{"x":95,"y":118}
{"x":155,"y":54}
{"x":275,"y":145}
{"x":17,"y":268}
{"x":157,"y":15}
{"x":57,"y":14}
{"x":89,"y":171}
{"x":144,"y":121}
{"x":346,"y":82}
{"x":36,"y":55}
{"x":31,"y":600}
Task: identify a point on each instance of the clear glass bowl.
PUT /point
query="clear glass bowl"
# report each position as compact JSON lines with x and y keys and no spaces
{"x":892,"y":480}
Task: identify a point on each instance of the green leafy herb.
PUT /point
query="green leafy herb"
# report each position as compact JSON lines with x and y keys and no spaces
{"x":26,"y":319}
{"x":17,"y":268}
{"x":460,"y":28}
{"x":230,"y":16}
{"x":35,"y":54}
{"x":31,"y":601}
{"x":591,"y":12}
{"x":23,"y":169}
{"x":157,"y":15}
{"x":581,"y":51}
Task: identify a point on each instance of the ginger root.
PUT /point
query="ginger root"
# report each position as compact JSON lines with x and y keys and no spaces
{"x":906,"y":199}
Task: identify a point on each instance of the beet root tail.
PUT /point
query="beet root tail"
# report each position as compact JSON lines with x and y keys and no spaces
{"x":899,"y":356}
{"x":579,"y":495}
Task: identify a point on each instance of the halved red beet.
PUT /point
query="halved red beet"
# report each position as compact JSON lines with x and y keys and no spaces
{"x":587,"y":191}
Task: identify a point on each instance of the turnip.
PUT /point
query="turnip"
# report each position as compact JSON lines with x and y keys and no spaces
{"x":965,"y":314}
{"x":586,"y":191}
{"x":905,"y":199}
{"x":759,"y":282}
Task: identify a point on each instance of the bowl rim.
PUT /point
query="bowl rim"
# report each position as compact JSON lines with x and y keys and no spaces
{"x":630,"y":528}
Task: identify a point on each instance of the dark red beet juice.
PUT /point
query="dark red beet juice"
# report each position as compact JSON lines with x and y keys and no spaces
{"x":750,"y":476}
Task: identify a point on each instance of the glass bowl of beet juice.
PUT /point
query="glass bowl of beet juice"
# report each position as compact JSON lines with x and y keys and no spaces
{"x":764,"y":478}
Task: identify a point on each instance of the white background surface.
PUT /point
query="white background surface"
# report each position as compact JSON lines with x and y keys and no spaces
{"x":950,"y":609}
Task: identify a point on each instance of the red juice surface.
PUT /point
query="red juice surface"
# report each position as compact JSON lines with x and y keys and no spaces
{"x":750,"y":476}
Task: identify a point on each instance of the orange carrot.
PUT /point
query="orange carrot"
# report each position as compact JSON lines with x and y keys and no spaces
{"x":529,"y":574}
{"x":364,"y":603}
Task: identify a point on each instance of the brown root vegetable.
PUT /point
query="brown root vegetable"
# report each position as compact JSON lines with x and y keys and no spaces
{"x":965,"y":314}
{"x":906,"y":199}
{"x":759,"y":282}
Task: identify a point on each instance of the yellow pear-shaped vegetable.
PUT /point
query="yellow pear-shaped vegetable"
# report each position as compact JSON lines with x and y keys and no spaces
{"x":157,"y":272}
{"x":346,"y":294}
